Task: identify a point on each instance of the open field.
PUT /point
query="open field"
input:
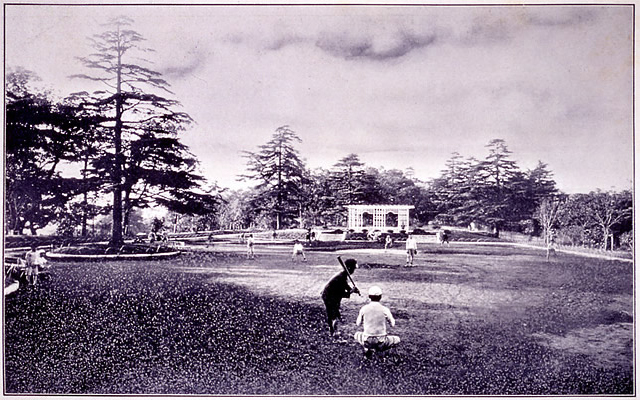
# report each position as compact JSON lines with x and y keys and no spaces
{"x":473,"y":319}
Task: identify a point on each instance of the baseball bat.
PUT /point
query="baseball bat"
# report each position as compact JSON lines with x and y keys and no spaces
{"x":348,"y":274}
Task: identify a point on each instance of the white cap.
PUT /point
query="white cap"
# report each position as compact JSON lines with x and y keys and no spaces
{"x":375,"y":291}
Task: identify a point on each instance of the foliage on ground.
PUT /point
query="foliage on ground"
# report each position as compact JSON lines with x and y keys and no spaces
{"x":101,"y":249}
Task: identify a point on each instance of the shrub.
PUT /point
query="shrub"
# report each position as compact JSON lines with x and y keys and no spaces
{"x":357,"y":236}
{"x":626,"y":240}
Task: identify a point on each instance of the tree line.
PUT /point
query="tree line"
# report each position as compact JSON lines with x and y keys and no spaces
{"x":123,"y":138}
{"x":491,"y":193}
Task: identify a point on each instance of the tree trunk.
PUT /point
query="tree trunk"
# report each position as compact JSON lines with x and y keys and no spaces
{"x":125,"y":221}
{"x":19,"y":226}
{"x":126,"y":210}
{"x":16,"y":226}
{"x":612,"y":241}
{"x":13,"y":217}
{"x":116,"y":231}
{"x":84,"y":216}
{"x":300,"y":215}
{"x":605,"y":242}
{"x":85,"y":210}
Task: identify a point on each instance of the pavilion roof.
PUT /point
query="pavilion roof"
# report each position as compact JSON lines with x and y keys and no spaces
{"x":406,"y":206}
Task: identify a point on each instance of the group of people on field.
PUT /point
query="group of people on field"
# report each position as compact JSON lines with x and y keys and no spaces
{"x":298,"y":248}
{"x":373,"y":316}
{"x":27,"y":270}
{"x":411,"y":246}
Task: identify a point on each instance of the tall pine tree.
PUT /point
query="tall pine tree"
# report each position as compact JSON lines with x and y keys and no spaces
{"x":280,"y":174}
{"x":146,"y":161}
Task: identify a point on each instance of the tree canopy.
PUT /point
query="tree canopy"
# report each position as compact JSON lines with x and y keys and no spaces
{"x":40,"y":135}
{"x":280,"y":175}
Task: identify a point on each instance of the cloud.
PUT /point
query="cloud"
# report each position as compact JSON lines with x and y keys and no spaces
{"x":284,"y":41}
{"x":560,"y":17}
{"x":388,"y":39}
{"x":185,"y":66}
{"x":373,"y":48}
{"x":496,"y":32}
{"x":502,"y":25}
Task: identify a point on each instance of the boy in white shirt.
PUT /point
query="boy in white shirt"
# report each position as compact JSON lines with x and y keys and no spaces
{"x":412,"y":250}
{"x":250,"y":252}
{"x":34,"y":261}
{"x":375,"y":316}
{"x":298,"y":249}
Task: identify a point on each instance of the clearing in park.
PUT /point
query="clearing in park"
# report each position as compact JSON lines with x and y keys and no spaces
{"x":474,"y":319}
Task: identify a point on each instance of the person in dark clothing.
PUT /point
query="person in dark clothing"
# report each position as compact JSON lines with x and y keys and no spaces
{"x":334,"y":291}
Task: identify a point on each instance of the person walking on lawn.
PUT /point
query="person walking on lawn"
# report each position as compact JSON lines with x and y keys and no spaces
{"x":334,"y":291}
{"x":374,"y":316}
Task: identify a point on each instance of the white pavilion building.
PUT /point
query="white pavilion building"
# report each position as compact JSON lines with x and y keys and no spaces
{"x":383,"y":217}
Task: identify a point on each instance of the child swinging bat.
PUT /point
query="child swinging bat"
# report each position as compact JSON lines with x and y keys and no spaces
{"x":335,"y":290}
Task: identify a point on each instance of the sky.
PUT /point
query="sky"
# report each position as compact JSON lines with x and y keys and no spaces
{"x":400,"y":86}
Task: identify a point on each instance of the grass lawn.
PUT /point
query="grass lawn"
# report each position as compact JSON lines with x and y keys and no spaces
{"x":473,"y":319}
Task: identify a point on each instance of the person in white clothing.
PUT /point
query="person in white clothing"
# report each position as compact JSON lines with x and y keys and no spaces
{"x":298,"y":249}
{"x":33,"y":261}
{"x":374,"y":317}
{"x":412,"y":250}
{"x":250,"y":242}
{"x":388,"y":242}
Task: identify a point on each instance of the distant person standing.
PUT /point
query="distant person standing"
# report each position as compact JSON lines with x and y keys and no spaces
{"x":250,"y":252}
{"x":164,"y":236}
{"x":388,"y":242}
{"x":412,"y":249}
{"x":33,"y":261}
{"x":443,"y":237}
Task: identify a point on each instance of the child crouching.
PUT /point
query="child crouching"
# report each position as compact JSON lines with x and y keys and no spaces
{"x":374,"y":315}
